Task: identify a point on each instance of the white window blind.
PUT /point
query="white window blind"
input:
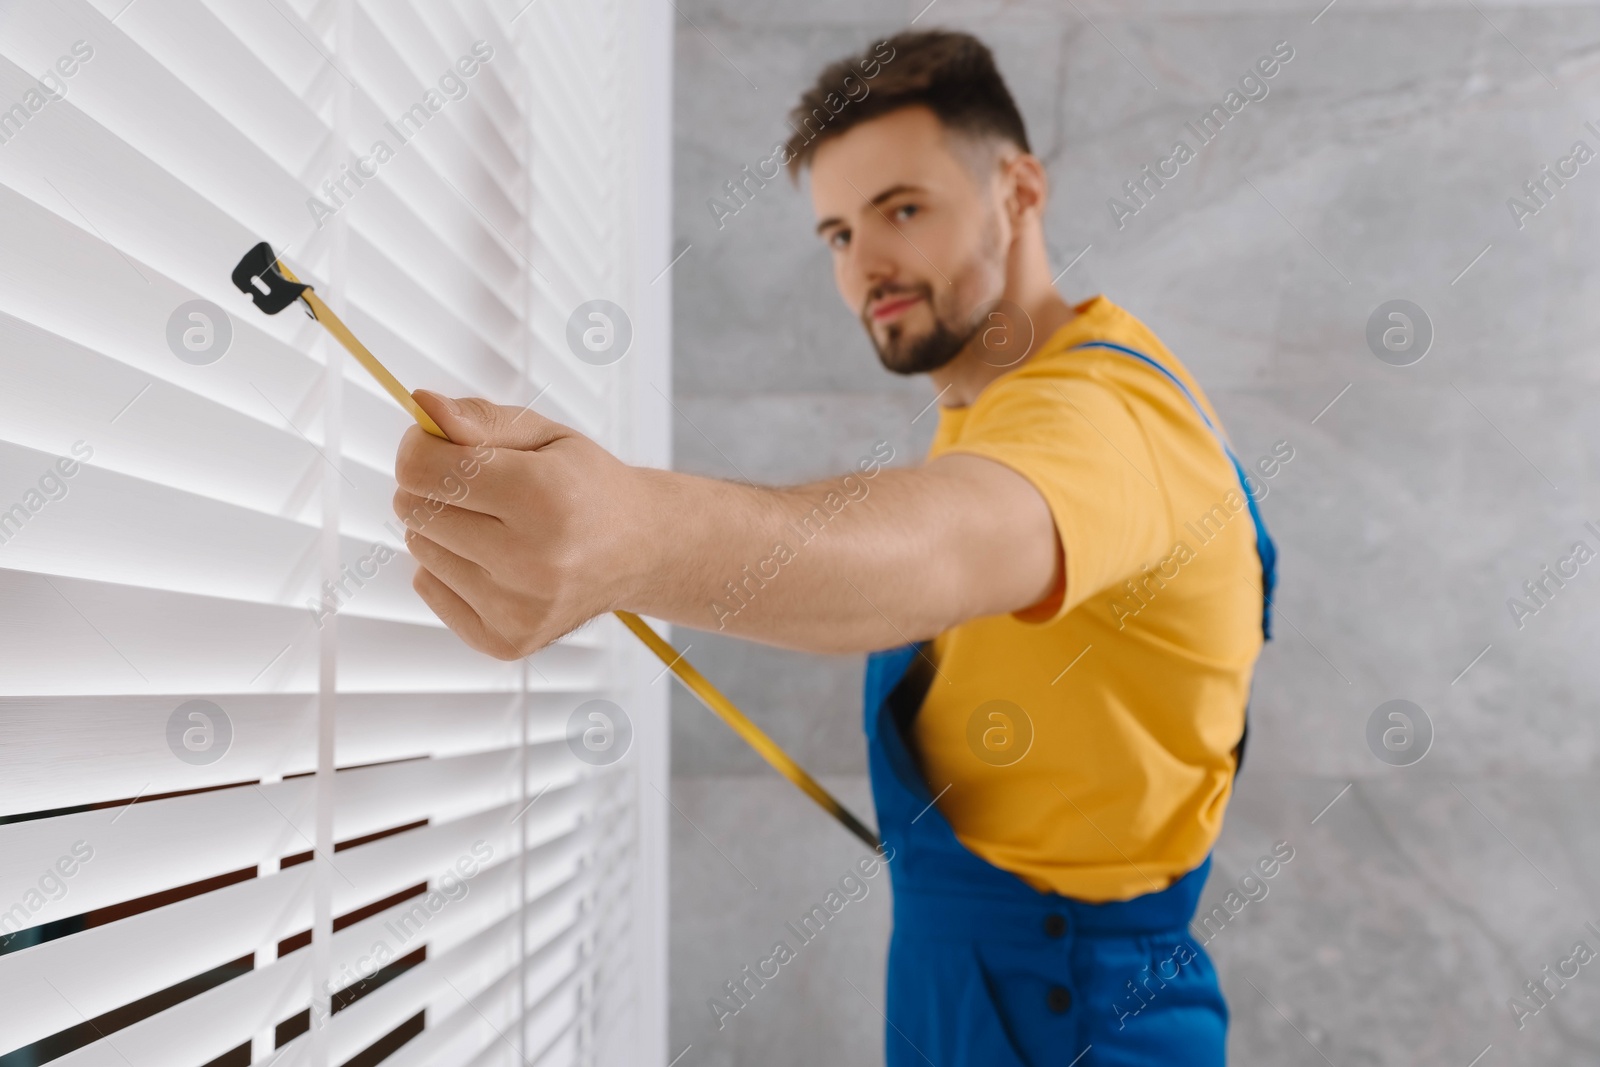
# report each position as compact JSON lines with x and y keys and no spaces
{"x":257,"y":805}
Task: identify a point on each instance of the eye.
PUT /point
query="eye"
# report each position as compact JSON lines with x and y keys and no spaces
{"x":838,"y":240}
{"x":905,"y":211}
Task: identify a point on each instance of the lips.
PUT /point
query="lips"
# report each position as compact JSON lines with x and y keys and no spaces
{"x":893,"y":307}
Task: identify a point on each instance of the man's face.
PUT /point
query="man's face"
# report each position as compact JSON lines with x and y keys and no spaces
{"x":918,"y":239}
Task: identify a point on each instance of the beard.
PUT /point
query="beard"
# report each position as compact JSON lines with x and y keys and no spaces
{"x":903,"y":353}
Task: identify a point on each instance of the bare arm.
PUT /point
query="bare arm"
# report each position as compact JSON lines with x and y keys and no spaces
{"x":896,"y":557}
{"x":549,"y":530}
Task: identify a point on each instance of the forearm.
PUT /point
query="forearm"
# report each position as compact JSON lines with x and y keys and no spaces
{"x":778,"y":565}
{"x":843,"y":565}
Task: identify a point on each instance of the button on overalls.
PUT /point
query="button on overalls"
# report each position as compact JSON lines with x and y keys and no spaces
{"x":986,"y":971}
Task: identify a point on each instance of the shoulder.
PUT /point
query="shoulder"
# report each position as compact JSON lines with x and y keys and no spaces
{"x":1119,"y":354}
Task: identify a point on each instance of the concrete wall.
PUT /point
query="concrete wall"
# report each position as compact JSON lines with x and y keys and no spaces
{"x":1378,"y":167}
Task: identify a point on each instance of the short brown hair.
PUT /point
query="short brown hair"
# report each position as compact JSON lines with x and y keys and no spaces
{"x":953,"y":74}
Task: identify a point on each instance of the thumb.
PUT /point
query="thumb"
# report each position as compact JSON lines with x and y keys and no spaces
{"x":474,"y":421}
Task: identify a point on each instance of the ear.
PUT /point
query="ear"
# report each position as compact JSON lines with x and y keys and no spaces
{"x":1029,"y":187}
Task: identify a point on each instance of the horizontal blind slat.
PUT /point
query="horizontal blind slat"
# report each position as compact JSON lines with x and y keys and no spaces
{"x":92,"y":749}
{"x":151,"y":847}
{"x":172,"y":944}
{"x":205,"y":1027}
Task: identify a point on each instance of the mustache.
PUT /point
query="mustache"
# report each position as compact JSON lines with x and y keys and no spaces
{"x":878,"y":292}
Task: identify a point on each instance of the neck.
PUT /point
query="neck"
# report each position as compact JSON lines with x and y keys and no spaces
{"x":959,"y":382}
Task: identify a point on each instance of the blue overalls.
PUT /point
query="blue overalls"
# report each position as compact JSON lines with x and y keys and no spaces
{"x":986,"y":971}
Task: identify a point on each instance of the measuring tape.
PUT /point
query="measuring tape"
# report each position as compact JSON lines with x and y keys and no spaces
{"x":273,"y":287}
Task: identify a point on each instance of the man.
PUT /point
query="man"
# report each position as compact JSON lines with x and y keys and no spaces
{"x":1064,"y":604}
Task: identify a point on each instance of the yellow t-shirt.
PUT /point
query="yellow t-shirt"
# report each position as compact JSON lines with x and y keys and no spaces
{"x":1133,"y":688}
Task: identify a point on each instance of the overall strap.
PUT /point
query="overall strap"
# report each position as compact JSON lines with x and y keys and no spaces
{"x":1265,"y":549}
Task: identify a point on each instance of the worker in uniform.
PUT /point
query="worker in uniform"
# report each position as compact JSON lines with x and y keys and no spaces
{"x":1062,"y":605}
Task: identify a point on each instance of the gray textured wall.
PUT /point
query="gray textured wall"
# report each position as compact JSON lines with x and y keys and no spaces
{"x":1378,"y":167}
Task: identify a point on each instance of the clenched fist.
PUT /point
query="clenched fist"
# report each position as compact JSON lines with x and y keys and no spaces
{"x":521,"y":527}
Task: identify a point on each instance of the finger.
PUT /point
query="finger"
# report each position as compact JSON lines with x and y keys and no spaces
{"x":463,"y":620}
{"x":472,"y":476}
{"x":440,"y":470}
{"x":474,"y":421}
{"x":469,"y":534}
{"x":470,"y":580}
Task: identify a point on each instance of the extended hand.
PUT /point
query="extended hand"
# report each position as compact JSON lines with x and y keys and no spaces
{"x":519,"y":525}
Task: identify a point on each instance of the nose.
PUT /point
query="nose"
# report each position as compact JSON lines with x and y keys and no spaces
{"x":874,"y":266}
